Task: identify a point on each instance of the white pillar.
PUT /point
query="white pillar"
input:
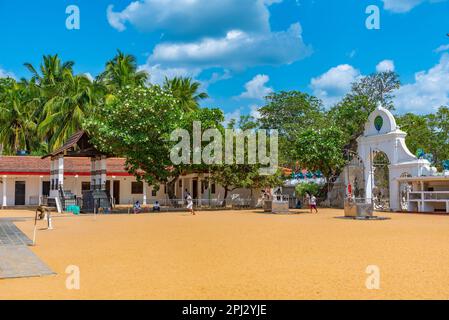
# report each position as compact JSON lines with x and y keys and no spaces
{"x":61,"y":172}
{"x":144,"y":193}
{"x":40,"y":190}
{"x":112,"y":191}
{"x":5,"y":199}
{"x":52,"y":175}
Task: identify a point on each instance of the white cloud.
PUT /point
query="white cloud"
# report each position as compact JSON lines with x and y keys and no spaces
{"x":234,"y":115}
{"x":256,"y":89}
{"x":331,"y":86}
{"x":402,"y":6}
{"x":158,"y":73}
{"x":237,"y":50}
{"x":255,"y":111}
{"x":429,"y":91}
{"x":385,"y":65}
{"x":6,"y":74}
{"x":193,"y":18}
{"x":442,"y":48}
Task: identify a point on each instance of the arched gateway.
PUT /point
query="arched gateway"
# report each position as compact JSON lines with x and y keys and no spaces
{"x":382,"y":135}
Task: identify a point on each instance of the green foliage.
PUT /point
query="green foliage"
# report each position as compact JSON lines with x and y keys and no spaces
{"x":121,"y":72}
{"x":310,"y":188}
{"x":428,"y":132}
{"x":321,"y":149}
{"x":137,"y":124}
{"x":186,"y":92}
{"x":290,"y":113}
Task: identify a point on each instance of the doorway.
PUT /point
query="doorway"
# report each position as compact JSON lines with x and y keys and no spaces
{"x":20,"y":193}
{"x":46,"y":188}
{"x":116,"y":194}
{"x":195,"y":189}
{"x":381,"y":181}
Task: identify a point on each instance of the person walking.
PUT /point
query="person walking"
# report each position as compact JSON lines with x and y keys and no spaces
{"x":312,"y":203}
{"x":190,"y":204}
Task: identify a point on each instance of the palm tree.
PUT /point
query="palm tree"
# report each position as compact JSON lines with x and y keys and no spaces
{"x":52,"y":71}
{"x":17,"y":125}
{"x":121,"y":72}
{"x":64,"y":113}
{"x":186,"y":92}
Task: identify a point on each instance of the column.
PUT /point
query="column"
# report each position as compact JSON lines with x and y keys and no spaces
{"x":52,"y":175}
{"x":198,"y":188}
{"x":4,"y":202}
{"x":102,"y":173}
{"x":182,"y":189}
{"x":112,"y":191}
{"x":60,"y":162}
{"x":40,"y":190}
{"x":144,"y":202}
{"x":93,"y":173}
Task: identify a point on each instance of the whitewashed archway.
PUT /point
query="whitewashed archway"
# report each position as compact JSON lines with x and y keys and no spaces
{"x":383,"y":134}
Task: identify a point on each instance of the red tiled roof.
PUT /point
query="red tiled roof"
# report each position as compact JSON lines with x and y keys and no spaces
{"x":34,"y":165}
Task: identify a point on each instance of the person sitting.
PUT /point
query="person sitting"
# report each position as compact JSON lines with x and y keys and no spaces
{"x":137,"y":207}
{"x":156,"y":207}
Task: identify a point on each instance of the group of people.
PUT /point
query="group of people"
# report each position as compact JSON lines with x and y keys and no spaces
{"x":311,"y":199}
{"x":157,"y":207}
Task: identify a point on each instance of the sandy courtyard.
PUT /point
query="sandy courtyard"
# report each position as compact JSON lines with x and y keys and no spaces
{"x":238,"y":255}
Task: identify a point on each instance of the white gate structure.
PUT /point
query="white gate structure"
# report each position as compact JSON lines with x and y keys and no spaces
{"x":383,"y":135}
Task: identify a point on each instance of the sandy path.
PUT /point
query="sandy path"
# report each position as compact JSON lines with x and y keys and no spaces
{"x":239,"y":255}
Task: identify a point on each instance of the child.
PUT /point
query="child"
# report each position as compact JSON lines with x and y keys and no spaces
{"x":156,"y":207}
{"x":312,"y":203}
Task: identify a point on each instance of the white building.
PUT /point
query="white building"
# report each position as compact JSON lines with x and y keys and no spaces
{"x":25,"y":180}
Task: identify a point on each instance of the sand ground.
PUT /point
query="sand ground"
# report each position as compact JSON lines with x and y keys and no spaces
{"x":238,"y":255}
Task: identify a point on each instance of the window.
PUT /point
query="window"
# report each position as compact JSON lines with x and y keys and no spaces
{"x":154,"y":192}
{"x":165,"y":189}
{"x":213,"y":188}
{"x":85,"y":186}
{"x":180,"y":183}
{"x":136,"y":187}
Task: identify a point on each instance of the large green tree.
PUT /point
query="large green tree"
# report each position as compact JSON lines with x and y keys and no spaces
{"x":137,"y":124}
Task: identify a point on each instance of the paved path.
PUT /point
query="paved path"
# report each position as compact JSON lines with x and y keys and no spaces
{"x":16,"y":259}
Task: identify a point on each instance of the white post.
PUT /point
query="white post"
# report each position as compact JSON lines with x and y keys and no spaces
{"x":5,"y":202}
{"x":40,"y":190}
{"x":198,"y":188}
{"x":112,"y":192}
{"x":61,"y":172}
{"x":144,"y":193}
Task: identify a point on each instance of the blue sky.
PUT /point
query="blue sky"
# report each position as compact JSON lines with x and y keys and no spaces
{"x":240,"y":50}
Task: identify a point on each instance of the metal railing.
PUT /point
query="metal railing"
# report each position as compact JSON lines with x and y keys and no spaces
{"x":428,"y":196}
